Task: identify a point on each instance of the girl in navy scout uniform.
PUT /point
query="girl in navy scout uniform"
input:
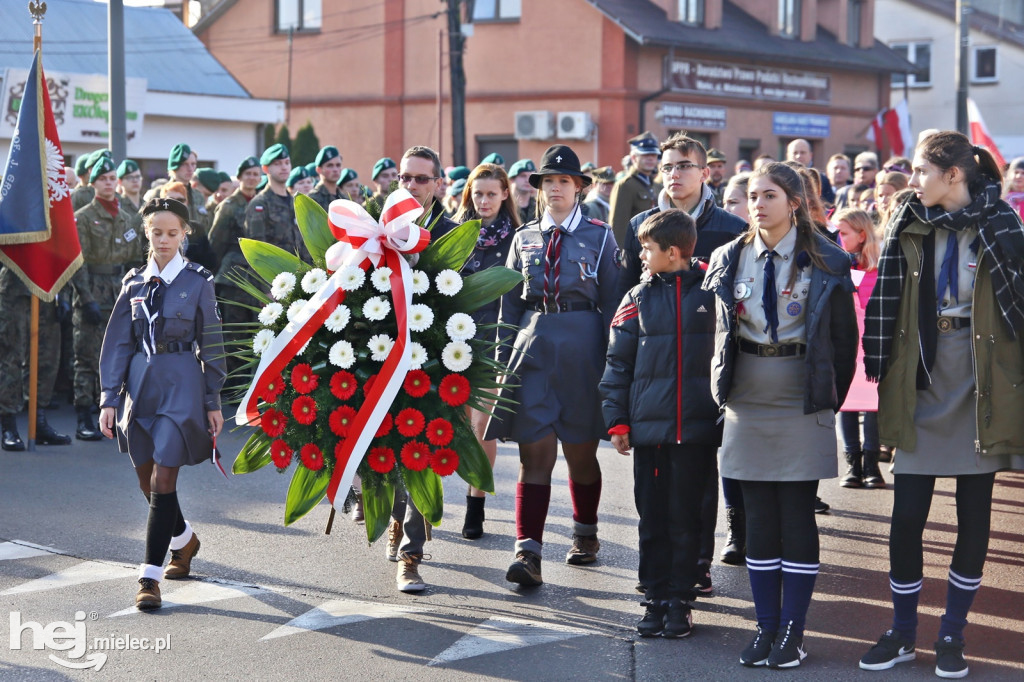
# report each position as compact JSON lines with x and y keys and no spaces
{"x":161,"y":373}
{"x":555,"y":362}
{"x":785,"y":352}
{"x":942,"y":336}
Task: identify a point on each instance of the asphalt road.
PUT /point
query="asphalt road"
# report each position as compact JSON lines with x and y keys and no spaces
{"x":269,"y":602}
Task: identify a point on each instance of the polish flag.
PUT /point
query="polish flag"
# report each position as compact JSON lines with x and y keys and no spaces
{"x":979,"y":133}
{"x":897,"y":128}
{"x":874,"y":133}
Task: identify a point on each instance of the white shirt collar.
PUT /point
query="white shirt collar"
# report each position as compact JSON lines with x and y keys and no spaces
{"x":170,"y":271}
{"x":570,"y":225}
{"x":785,"y":246}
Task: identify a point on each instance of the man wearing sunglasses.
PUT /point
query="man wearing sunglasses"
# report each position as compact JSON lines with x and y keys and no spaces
{"x":865,"y":168}
{"x":419,"y":172}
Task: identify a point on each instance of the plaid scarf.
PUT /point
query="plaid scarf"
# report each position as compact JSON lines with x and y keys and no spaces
{"x":1002,"y":239}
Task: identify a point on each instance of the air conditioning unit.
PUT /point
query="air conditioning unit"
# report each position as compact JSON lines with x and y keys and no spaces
{"x":534,"y":125}
{"x":574,"y":125}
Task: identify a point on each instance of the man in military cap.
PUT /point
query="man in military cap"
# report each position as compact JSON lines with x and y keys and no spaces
{"x":522,"y":191}
{"x":328,"y":167}
{"x":385,"y":171}
{"x":270,"y":216}
{"x":110,"y":247}
{"x":84,"y":193}
{"x":597,"y":204}
{"x":716,"y":174}
{"x":637,"y":191}
{"x":300,"y":181}
{"x":206,"y":181}
{"x":129,"y":185}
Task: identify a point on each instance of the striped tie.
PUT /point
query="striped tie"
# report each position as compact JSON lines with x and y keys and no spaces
{"x":552,"y":266}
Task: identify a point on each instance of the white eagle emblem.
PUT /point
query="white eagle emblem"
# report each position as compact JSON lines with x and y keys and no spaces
{"x":57,"y":188}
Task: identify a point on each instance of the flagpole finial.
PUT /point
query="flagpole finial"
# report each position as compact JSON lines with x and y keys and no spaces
{"x":37,"y":10}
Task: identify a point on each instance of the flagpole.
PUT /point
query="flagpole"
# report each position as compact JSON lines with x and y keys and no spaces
{"x":37,"y":10}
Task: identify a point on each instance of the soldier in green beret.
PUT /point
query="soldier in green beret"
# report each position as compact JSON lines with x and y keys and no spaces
{"x":110,"y":247}
{"x":522,"y":191}
{"x":328,"y":167}
{"x":181,"y":166}
{"x":350,"y":187}
{"x":495,"y":158}
{"x":458,"y":173}
{"x":385,"y":172}
{"x":129,"y":185}
{"x":270,"y":216}
{"x":84,"y":193}
{"x":299,"y":181}
{"x":224,"y":189}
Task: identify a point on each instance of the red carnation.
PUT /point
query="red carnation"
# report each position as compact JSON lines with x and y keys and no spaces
{"x":439,"y":432}
{"x":444,"y":461}
{"x":381,"y":460}
{"x":304,"y":410}
{"x":303,"y":379}
{"x":417,"y":383}
{"x":311,"y":456}
{"x":272,"y":390}
{"x":343,"y":385}
{"x":341,"y":419}
{"x":416,"y":455}
{"x":280,"y":454}
{"x":385,"y":426}
{"x":369,"y":384}
{"x":273,"y":422}
{"x":410,"y":422}
{"x":454,"y":389}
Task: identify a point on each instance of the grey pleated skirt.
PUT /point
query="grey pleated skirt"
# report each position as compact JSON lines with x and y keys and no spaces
{"x":767,"y":436}
{"x":945,"y":418}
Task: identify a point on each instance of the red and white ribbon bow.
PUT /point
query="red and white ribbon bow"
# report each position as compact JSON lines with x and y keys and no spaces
{"x":362,"y":241}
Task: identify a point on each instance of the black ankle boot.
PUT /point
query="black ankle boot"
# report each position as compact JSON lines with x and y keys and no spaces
{"x":87,"y":427}
{"x":853,"y":470}
{"x":11,"y":440}
{"x":46,"y":434}
{"x":735,"y":551}
{"x":473,"y":527}
{"x":872,"y":474}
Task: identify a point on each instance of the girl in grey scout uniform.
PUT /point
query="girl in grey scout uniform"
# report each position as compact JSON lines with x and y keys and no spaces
{"x":785,"y":352}
{"x":555,"y":361}
{"x":161,"y":373}
{"x":487,"y":197}
{"x":942,"y":336}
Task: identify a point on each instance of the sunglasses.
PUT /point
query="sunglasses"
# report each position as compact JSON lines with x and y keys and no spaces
{"x":418,"y":179}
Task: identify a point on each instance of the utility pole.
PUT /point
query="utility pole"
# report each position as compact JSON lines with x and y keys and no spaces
{"x":458,"y":82}
{"x":288,"y":102}
{"x":117,"y":129}
{"x":963,"y":9}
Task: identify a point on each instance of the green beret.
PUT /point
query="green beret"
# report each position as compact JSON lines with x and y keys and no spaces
{"x":495,"y":158}
{"x":382,"y":165}
{"x":126,"y":167}
{"x":208,"y":178}
{"x":179,"y":155}
{"x":347,"y":175}
{"x":458,"y":173}
{"x":223,"y":177}
{"x":247,"y":163}
{"x":97,"y":154}
{"x":298,"y":173}
{"x":273,"y":153}
{"x":81,"y":165}
{"x":263,"y":182}
{"x":455,"y":189}
{"x":325,"y":155}
{"x":588,"y":167}
{"x":104,"y":165}
{"x":312,"y":168}
{"x":522,"y":166}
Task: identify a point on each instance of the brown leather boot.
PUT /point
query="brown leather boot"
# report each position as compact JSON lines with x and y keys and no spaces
{"x":149,"y":594}
{"x":181,"y":559}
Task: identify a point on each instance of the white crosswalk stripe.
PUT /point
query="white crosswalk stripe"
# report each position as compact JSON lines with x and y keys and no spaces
{"x":502,"y":634}
{"x":19,"y":549}
{"x":341,"y":612}
{"x":79,"y":574}
{"x":197,"y":592}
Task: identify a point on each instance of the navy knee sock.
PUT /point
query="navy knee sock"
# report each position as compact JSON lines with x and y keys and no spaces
{"x":766,"y":586}
{"x":960,"y":593}
{"x":797,"y":589}
{"x":162,"y":510}
{"x":904,"y":606}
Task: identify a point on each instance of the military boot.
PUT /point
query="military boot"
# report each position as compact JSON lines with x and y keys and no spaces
{"x":11,"y":440}
{"x":46,"y":434}
{"x":87,"y":426}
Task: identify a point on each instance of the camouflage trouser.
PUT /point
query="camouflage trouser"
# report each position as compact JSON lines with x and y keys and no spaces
{"x":88,"y":339}
{"x":234,"y":337}
{"x":14,"y":352}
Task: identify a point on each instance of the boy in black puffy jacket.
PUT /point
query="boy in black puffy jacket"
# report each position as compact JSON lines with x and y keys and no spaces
{"x":656,"y":393}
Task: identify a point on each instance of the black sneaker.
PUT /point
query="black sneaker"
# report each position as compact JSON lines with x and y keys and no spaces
{"x":525,"y":570}
{"x":821,"y":506}
{"x":949,"y":658}
{"x":891,"y":649}
{"x":788,"y":650}
{"x":758,"y":650}
{"x":703,"y":585}
{"x":678,"y":620}
{"x":653,"y":621}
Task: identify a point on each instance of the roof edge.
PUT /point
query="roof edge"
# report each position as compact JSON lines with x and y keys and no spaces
{"x":211,"y":17}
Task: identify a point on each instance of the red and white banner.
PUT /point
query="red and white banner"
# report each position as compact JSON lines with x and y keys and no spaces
{"x":362,"y":242}
{"x":979,"y":132}
{"x":892,"y":125}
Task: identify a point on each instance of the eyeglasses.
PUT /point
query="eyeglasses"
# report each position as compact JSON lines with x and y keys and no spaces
{"x":418,"y":179}
{"x":681,"y":167}
{"x":864,"y":169}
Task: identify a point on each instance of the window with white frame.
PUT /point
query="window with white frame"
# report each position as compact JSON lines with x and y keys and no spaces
{"x":918,"y":54}
{"x":984,"y":66}
{"x":789,"y":18}
{"x":497,"y":10}
{"x":298,"y":15}
{"x":691,"y":12}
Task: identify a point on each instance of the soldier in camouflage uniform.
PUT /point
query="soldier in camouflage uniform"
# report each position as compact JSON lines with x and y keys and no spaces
{"x":129,"y":186}
{"x":110,"y":247}
{"x":270,"y":216}
{"x":524,"y":194}
{"x":15,"y":306}
{"x":638,"y":190}
{"x":328,"y":167}
{"x":181,"y":166}
{"x":84,"y":193}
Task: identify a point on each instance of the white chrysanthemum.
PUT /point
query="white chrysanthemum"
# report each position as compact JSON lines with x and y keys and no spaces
{"x":381,"y":279}
{"x":352,"y":278}
{"x":417,"y":355}
{"x":338,"y":320}
{"x":293,"y":310}
{"x":342,"y":355}
{"x":460,"y":327}
{"x":420,"y":317}
{"x":313,"y":280}
{"x":420,"y":282}
{"x":376,"y":308}
{"x":457,"y":356}
{"x":270,"y":313}
{"x":448,"y":282}
{"x":282,"y":285}
{"x":380,"y":345}
{"x":262,"y":341}
{"x":305,"y":346}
